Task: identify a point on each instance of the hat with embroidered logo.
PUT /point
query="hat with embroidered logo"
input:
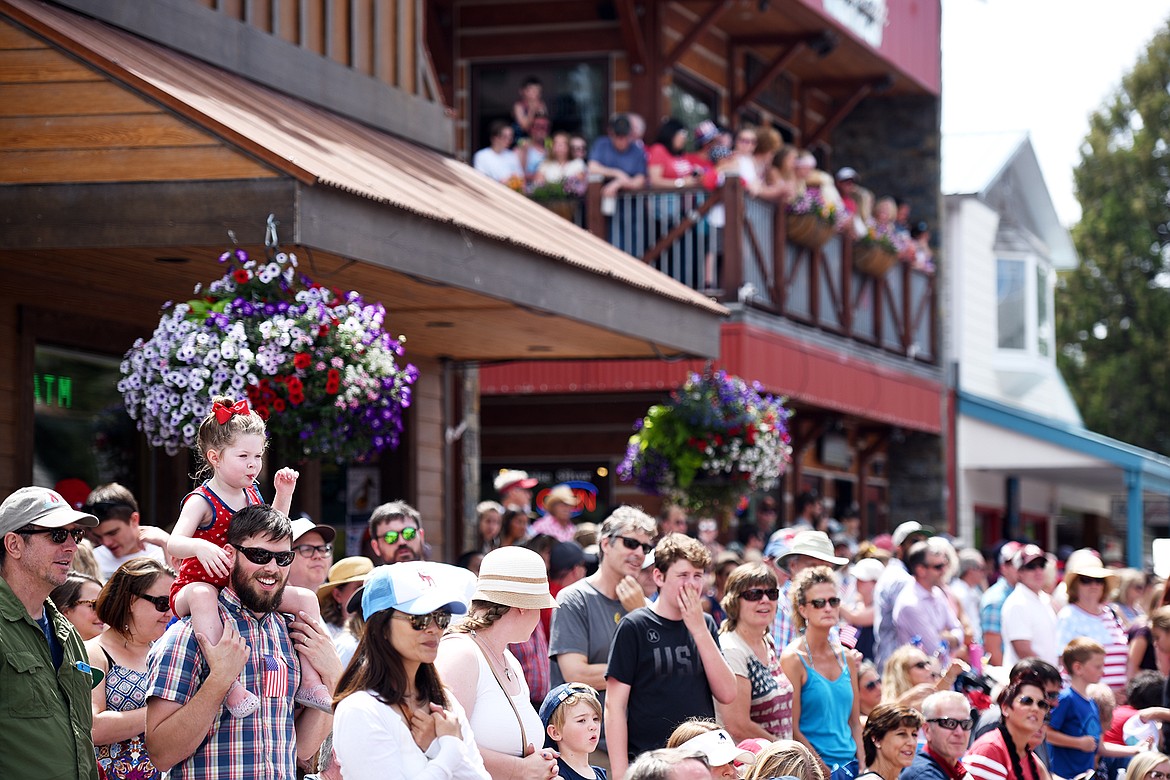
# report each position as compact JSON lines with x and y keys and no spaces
{"x":719,"y":748}
{"x":416,"y":588}
{"x":41,"y":507}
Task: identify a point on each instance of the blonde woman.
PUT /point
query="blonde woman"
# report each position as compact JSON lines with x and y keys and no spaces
{"x":785,"y":758}
{"x":911,"y":675}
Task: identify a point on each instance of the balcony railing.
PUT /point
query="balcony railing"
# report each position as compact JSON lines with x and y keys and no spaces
{"x":735,"y":248}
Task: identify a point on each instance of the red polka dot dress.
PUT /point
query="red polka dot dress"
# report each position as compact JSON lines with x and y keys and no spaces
{"x":215,"y":532}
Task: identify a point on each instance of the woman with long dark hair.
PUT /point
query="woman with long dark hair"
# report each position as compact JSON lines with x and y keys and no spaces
{"x":393,"y":719}
{"x":1003,"y":753}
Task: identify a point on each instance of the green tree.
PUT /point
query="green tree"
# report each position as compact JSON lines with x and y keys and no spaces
{"x":1113,"y":312}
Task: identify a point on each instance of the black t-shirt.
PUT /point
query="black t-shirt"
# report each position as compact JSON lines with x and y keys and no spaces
{"x":566,"y":772}
{"x":660,"y":662}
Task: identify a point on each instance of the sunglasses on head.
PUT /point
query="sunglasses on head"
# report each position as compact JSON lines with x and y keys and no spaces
{"x":261,"y":557}
{"x":56,"y":535}
{"x":950,"y":724}
{"x":756,"y":594}
{"x":634,"y":544}
{"x":820,"y":603}
{"x":1029,"y":701}
{"x":161,"y":603}
{"x":406,"y":534}
{"x":441,"y":617}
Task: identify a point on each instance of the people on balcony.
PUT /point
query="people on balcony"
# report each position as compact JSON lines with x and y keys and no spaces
{"x":667,"y":161}
{"x":622,"y":162}
{"x":560,"y":165}
{"x":498,"y":160}
{"x":579,"y":149}
{"x":809,"y":176}
{"x":528,"y":106}
{"x":533,"y":149}
{"x":780,"y":182}
{"x":857,"y":200}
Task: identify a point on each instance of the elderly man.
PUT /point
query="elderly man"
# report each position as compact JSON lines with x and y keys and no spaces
{"x":948,"y":730}
{"x":922,"y":609}
{"x":46,"y":722}
{"x":313,"y":544}
{"x":889,"y":587}
{"x":669,"y":764}
{"x":396,"y":533}
{"x":189,"y":729}
{"x":809,"y":548}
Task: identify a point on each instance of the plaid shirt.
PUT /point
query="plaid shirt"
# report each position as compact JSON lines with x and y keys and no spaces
{"x":534,"y":660}
{"x":991,"y":606}
{"x":261,"y":745}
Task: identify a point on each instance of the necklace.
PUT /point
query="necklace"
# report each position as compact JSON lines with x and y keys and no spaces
{"x":497,"y":658}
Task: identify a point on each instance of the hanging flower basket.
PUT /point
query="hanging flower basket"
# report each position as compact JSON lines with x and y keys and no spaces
{"x":809,"y":231}
{"x":315,"y":362}
{"x":717,"y":439}
{"x":872,"y":259}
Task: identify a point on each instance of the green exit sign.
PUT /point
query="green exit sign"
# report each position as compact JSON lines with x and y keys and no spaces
{"x":53,"y":390}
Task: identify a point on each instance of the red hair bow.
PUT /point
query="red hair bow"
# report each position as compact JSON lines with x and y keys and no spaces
{"x":225,"y":413}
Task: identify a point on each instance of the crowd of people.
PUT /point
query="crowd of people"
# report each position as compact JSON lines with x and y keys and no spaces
{"x":642,"y":648}
{"x":524,"y":153}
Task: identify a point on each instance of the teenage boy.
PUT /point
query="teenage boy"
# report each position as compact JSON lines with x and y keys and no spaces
{"x":1075,"y":729}
{"x":571,"y":714}
{"x":664,"y":665}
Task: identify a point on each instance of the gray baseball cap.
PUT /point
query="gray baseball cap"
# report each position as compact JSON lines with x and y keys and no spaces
{"x":40,"y":507}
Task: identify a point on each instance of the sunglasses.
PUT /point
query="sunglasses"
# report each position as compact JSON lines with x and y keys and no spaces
{"x":820,"y":603}
{"x":950,"y":724}
{"x":310,"y":550}
{"x":56,"y":535}
{"x":1035,"y":565}
{"x":869,"y":686}
{"x":406,"y":534}
{"x":261,"y":557}
{"x":442,"y":619}
{"x":755,"y":594}
{"x":634,"y":544}
{"x":1028,"y":701}
{"x":161,"y":603}
{"x":936,"y":566}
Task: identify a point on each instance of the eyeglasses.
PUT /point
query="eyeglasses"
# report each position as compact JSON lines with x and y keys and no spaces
{"x":869,"y":686}
{"x":820,"y":603}
{"x":1091,"y":580}
{"x":406,"y":534}
{"x":261,"y":557}
{"x":161,"y":603}
{"x":1034,"y":566}
{"x":442,"y":619}
{"x":634,"y":544}
{"x":936,"y":566}
{"x":56,"y":535}
{"x":1028,"y":701}
{"x":1052,"y":696}
{"x":311,"y":550}
{"x":755,"y":594}
{"x":950,"y":724}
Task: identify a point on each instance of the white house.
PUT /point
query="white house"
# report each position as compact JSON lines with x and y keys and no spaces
{"x":1026,"y":467}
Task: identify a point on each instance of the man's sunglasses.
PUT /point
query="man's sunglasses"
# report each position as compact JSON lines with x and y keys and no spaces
{"x":820,"y":603}
{"x":950,"y":724}
{"x":261,"y":557}
{"x":56,"y":535}
{"x":755,"y":594}
{"x":406,"y":534}
{"x":634,"y":544}
{"x":309,"y":550}
{"x":161,"y":603}
{"x":441,"y":617}
{"x":1028,"y":701}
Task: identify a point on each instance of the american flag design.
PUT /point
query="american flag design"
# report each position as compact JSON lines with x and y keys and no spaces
{"x":849,"y":636}
{"x":275,"y":678}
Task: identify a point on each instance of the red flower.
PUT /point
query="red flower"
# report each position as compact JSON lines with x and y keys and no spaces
{"x":242,"y":275}
{"x":294,"y":384}
{"x":322,"y":331}
{"x":302,"y":360}
{"x":278,"y":405}
{"x":296,"y":399}
{"x":262,"y":411}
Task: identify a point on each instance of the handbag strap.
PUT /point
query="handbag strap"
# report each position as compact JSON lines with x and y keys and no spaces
{"x":488,"y":658}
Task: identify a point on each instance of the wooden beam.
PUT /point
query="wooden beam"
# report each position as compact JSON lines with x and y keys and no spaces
{"x":821,"y":133}
{"x":632,"y":35}
{"x":776,"y":67}
{"x":706,"y":21}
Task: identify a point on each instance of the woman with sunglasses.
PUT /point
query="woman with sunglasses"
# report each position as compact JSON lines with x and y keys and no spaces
{"x":393,"y":718}
{"x":825,"y":697}
{"x":869,"y":689}
{"x":76,"y":599}
{"x":135,"y":604}
{"x":1150,"y":765}
{"x":763,"y":705}
{"x":911,"y":675}
{"x":1004,"y":753}
{"x":891,"y":740}
{"x":1088,"y":614}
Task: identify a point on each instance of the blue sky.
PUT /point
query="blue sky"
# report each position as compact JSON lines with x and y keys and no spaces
{"x":1041,"y":66}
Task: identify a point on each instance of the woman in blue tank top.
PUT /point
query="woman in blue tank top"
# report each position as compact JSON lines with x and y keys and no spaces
{"x":824,"y":702}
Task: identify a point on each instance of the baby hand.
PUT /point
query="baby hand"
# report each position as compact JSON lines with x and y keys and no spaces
{"x":214,"y":559}
{"x":285,"y":479}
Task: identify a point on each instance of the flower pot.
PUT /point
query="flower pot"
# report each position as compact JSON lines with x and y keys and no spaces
{"x":872,"y":259}
{"x":566,"y":208}
{"x":808,"y":231}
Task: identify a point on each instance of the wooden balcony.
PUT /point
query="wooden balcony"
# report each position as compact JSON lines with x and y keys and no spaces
{"x":750,"y":261}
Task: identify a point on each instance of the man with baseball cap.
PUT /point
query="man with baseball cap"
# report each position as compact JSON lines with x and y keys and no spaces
{"x":313,"y":544}
{"x":46,"y":725}
{"x":515,"y":489}
{"x":991,"y":604}
{"x":889,"y":586}
{"x":1028,"y":622}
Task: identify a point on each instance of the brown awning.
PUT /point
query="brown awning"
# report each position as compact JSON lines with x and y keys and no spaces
{"x":362,"y":194}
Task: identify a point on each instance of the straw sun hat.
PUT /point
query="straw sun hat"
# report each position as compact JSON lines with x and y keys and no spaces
{"x":514,"y":577}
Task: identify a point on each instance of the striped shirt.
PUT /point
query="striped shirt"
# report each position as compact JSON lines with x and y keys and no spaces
{"x":988,"y":759}
{"x":261,"y":745}
{"x":1103,"y":628}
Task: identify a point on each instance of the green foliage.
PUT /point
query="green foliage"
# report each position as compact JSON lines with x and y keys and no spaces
{"x":1113,"y":312}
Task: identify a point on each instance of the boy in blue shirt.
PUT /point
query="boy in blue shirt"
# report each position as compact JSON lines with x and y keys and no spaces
{"x":1075,"y":729}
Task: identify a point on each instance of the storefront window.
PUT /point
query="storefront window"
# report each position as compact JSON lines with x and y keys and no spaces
{"x":80,"y":429}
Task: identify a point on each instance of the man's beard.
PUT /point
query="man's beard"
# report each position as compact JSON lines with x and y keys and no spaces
{"x":251,"y":597}
{"x":404,"y":553}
